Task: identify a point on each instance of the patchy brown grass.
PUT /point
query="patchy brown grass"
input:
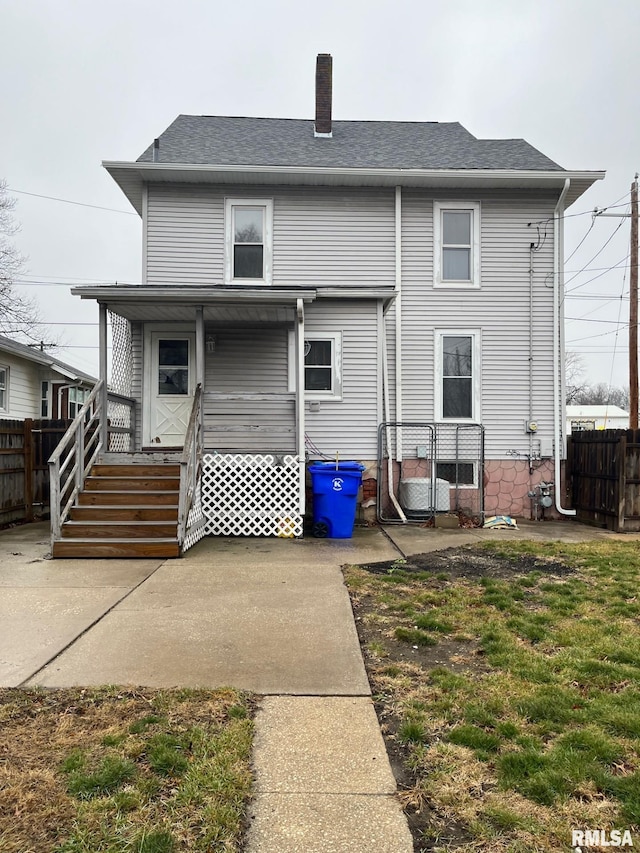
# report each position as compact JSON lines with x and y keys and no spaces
{"x":148,"y":771}
{"x":506,"y":678}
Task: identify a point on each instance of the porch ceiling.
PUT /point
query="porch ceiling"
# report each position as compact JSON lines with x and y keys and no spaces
{"x":178,"y":305}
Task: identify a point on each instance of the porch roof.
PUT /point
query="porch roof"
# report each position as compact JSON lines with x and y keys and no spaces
{"x":229,"y":305}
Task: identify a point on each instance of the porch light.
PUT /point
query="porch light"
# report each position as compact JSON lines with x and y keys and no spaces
{"x":211,"y":343}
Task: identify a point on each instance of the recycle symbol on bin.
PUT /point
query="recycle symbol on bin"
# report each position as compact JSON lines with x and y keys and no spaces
{"x":337,"y":484}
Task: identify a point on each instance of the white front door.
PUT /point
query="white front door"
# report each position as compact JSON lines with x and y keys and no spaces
{"x":169,"y":386}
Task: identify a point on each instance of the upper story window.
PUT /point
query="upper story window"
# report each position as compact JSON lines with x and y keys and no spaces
{"x":248,"y":243}
{"x":4,"y":389}
{"x":456,"y":244}
{"x":457,"y":381}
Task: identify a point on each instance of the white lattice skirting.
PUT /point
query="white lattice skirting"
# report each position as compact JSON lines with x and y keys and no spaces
{"x":251,"y":494}
{"x":196,"y":521}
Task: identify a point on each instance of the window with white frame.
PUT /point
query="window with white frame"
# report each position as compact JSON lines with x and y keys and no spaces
{"x":77,"y":398}
{"x":322,"y":366}
{"x":4,"y":389}
{"x":248,"y":240}
{"x":457,"y":381}
{"x":456,"y":244}
{"x":44,"y":399}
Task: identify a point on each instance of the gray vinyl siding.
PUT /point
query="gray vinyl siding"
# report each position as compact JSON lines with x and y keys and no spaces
{"x":333,"y":236}
{"x":320,"y":236}
{"x":247,"y":406}
{"x":499,"y":311}
{"x":185,"y":235}
{"x":349,"y":425}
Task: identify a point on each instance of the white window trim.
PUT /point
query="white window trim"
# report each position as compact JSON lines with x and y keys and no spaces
{"x":438,"y":208}
{"x":476,"y":375}
{"x":5,"y":406}
{"x":267,"y":204}
{"x":45,"y":398}
{"x":336,"y":358}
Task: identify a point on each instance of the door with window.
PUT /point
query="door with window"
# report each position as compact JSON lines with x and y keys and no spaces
{"x":169,"y":385}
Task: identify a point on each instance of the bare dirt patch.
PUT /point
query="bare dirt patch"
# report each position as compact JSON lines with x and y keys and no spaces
{"x":468,"y":562}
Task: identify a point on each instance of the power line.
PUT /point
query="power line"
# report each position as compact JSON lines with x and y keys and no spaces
{"x":601,"y":249}
{"x":600,"y":274}
{"x":584,"y":320}
{"x":600,"y":335}
{"x":69,"y":201}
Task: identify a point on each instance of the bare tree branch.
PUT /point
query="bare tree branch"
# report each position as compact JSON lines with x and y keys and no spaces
{"x":19,"y":314}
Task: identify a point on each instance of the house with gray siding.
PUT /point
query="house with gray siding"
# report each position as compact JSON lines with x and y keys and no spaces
{"x":384,"y":292}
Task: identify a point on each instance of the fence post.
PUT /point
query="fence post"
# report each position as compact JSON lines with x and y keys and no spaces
{"x":621,"y":483}
{"x":27,"y":447}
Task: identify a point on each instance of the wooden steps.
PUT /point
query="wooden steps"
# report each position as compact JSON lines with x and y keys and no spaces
{"x":125,"y":510}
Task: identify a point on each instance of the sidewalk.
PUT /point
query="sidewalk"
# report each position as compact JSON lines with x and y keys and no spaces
{"x":267,"y":615}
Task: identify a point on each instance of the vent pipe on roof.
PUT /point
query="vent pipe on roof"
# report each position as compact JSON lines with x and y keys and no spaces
{"x":156,"y":150}
{"x":324,"y":70}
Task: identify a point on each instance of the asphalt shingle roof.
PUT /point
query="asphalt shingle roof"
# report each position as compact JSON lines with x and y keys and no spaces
{"x":223,"y":140}
{"x":39,"y":357}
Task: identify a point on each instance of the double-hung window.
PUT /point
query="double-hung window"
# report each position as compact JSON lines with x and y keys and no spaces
{"x":4,"y":389}
{"x":248,"y":240}
{"x":457,"y":380}
{"x":456,"y":244}
{"x":77,"y":398}
{"x":322,"y":366}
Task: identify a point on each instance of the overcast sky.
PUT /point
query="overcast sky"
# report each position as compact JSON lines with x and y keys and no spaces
{"x":85,"y":82}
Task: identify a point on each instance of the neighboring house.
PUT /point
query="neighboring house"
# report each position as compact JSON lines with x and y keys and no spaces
{"x":317,"y":280}
{"x":34,"y":384}
{"x":596,"y":417}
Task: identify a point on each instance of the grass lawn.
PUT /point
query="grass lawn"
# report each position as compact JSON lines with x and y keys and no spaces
{"x":507,"y":682}
{"x":147,"y":771}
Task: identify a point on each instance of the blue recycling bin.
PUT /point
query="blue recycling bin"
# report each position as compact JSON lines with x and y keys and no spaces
{"x":335,"y":494}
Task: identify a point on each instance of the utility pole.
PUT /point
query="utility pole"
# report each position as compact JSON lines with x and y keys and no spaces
{"x":633,"y":310}
{"x":633,"y":301}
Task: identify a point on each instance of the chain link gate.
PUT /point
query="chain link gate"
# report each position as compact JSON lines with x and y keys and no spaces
{"x":425,"y":468}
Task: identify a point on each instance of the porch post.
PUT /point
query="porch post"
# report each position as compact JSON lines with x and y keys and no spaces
{"x":200,"y":346}
{"x":102,"y":340}
{"x":300,"y":400}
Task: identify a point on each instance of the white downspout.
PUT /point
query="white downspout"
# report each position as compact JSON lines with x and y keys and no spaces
{"x":385,"y":402}
{"x":398,"y":309}
{"x":300,"y":402}
{"x":558,"y":344}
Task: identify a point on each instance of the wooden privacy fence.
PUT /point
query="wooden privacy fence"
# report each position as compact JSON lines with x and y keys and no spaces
{"x":25,"y":447}
{"x":603,"y":468}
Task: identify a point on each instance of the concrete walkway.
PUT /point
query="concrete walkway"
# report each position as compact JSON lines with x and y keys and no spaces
{"x":267,"y":615}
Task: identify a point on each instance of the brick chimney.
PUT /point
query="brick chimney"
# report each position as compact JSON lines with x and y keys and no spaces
{"x":324,"y":65}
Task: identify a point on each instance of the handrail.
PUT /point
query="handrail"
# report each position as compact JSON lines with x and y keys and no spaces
{"x":190,"y":462}
{"x":77,"y":451}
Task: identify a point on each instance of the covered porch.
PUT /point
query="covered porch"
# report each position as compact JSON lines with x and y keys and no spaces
{"x":210,"y":380}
